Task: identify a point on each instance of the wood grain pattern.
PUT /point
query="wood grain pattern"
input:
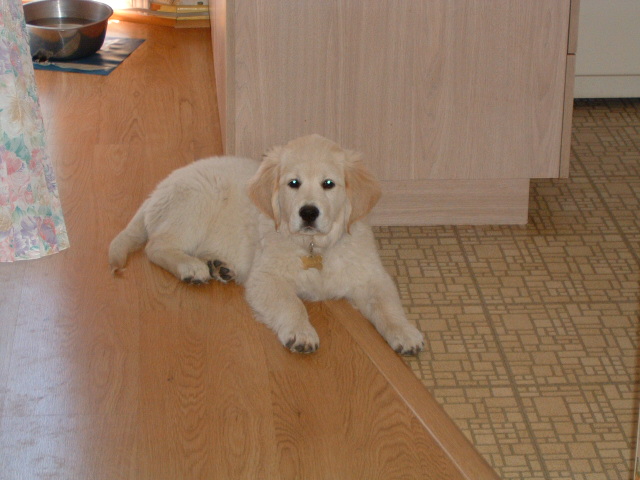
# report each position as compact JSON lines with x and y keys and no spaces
{"x":11,"y":280}
{"x":565,"y":153}
{"x":143,"y":377}
{"x":438,"y":90}
{"x":223,"y":21}
{"x":379,"y":437}
{"x":445,"y":202}
{"x":573,"y":27}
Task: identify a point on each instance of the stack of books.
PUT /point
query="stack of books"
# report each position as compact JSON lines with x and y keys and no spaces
{"x":176,"y":13}
{"x":181,"y":10}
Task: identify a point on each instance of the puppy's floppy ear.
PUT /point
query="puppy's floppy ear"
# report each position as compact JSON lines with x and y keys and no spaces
{"x":363,"y":190}
{"x":264,"y":185}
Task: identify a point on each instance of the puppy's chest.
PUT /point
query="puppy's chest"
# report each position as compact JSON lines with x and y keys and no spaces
{"x":320,"y":276}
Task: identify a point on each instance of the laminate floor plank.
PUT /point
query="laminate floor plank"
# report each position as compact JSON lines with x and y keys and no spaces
{"x":343,"y":401}
{"x":11,"y":281}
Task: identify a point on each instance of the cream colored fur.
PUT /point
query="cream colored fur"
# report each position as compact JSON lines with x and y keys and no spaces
{"x":234,"y":218}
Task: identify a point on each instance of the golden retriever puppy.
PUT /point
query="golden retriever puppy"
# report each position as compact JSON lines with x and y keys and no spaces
{"x":288,"y":228}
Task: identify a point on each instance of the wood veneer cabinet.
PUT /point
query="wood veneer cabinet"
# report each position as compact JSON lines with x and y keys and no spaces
{"x":456,"y":104}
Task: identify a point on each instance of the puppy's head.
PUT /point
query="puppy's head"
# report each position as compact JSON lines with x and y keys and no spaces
{"x":313,"y":186}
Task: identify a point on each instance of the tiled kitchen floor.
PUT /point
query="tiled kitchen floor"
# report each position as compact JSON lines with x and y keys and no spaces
{"x":532,"y":331}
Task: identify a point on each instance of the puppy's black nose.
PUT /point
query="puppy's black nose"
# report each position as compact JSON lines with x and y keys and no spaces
{"x":309,"y":213}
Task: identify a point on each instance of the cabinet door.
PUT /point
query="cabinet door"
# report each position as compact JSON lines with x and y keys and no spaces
{"x":448,"y":89}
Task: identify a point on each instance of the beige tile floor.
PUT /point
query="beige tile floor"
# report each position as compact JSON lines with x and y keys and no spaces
{"x":532,"y":331}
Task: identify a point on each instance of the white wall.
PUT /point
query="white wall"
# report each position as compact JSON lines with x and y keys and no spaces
{"x":608,"y":58}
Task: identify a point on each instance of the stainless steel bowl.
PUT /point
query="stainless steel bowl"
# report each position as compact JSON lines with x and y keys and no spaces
{"x":66,"y":29}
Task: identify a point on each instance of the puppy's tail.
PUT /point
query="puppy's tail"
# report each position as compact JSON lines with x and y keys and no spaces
{"x":133,"y":237}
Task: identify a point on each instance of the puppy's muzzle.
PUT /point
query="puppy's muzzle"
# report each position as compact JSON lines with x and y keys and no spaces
{"x":309,"y":214}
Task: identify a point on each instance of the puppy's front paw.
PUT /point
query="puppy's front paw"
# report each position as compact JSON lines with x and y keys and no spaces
{"x":195,"y":272}
{"x":301,"y":341}
{"x":405,"y":339}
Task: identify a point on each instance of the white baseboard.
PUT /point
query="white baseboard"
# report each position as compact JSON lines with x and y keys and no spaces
{"x":607,"y":86}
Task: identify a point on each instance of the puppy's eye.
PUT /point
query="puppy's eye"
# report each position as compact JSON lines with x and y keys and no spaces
{"x":328,"y":184}
{"x":295,"y":183}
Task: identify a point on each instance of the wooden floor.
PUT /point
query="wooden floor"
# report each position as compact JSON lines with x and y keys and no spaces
{"x":143,"y":377}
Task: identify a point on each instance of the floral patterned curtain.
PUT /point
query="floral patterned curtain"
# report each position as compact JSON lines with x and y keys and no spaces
{"x":31,"y":220}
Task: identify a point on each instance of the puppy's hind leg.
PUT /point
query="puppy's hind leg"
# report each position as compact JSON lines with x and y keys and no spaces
{"x":220,"y":271}
{"x":131,"y":238}
{"x":187,"y":268}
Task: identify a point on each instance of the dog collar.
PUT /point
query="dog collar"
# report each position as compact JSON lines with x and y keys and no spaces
{"x":312,"y":260}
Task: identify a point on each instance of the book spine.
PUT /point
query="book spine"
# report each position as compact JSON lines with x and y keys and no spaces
{"x":181,"y":3}
{"x":160,"y":7}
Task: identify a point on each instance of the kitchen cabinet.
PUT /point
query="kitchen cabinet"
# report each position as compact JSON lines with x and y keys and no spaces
{"x":455,"y":104}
